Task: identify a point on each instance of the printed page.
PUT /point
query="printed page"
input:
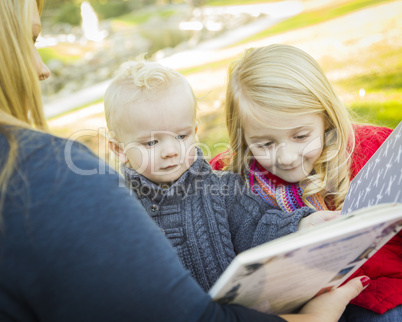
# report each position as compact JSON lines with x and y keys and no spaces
{"x":279,"y":284}
{"x":380,"y":180}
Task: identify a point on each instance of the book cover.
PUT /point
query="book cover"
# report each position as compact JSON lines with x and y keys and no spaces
{"x":380,"y":180}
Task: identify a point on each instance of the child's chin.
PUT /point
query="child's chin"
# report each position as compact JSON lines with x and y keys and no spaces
{"x":292,"y":178}
{"x":167,"y":180}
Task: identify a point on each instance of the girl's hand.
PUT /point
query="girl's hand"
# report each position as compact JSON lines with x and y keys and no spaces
{"x":329,"y":306}
{"x":317,"y":218}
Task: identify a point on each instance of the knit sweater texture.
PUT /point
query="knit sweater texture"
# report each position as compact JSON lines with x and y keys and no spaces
{"x":210,"y":216}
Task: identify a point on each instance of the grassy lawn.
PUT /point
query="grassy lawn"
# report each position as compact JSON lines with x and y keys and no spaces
{"x":212,"y":134}
{"x":313,"y":17}
{"x":66,"y":53}
{"x":235,"y":2}
{"x":214,"y":65}
{"x":373,"y":92}
{"x":386,"y":113}
{"x":140,"y":17}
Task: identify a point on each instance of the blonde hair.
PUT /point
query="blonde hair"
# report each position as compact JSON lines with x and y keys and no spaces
{"x":137,"y":80}
{"x":282,"y":81}
{"x":20,"y":94}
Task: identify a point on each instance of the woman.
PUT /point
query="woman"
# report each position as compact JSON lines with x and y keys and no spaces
{"x":73,"y":246}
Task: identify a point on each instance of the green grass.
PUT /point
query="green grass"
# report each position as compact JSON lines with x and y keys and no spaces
{"x":379,"y":76}
{"x":50,"y":53}
{"x":313,"y":17}
{"x":138,"y":18}
{"x":384,"y":113}
{"x":386,"y":82}
{"x":212,"y":135}
{"x":202,"y":68}
{"x":77,"y":109}
{"x":133,"y":19}
{"x":382,"y":102}
{"x":235,"y":2}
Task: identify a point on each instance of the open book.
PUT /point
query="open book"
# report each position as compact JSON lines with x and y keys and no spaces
{"x":282,"y":275}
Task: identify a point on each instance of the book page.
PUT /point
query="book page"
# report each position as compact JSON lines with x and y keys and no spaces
{"x":282,"y":283}
{"x":380,"y":180}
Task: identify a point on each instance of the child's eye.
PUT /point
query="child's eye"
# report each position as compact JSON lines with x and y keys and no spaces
{"x":301,"y":137}
{"x":151,"y":143}
{"x":265,"y":145}
{"x":181,"y":137}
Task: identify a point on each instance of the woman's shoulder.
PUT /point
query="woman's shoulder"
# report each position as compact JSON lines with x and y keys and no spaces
{"x":35,"y":148}
{"x":47,"y":161}
{"x":32,"y":142}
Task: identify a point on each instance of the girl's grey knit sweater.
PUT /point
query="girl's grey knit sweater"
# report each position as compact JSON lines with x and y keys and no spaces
{"x":210,"y":216}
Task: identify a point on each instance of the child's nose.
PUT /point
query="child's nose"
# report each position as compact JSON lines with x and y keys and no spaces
{"x":170,"y":149}
{"x":286,"y":156}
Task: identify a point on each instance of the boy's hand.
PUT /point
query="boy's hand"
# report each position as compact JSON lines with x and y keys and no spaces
{"x":317,"y":218}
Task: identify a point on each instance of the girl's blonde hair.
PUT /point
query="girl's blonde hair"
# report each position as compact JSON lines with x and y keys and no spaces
{"x":284,"y":81}
{"x":135,"y":81}
{"x":20,"y":94}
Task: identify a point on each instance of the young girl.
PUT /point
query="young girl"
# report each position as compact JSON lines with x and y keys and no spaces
{"x":293,"y":142}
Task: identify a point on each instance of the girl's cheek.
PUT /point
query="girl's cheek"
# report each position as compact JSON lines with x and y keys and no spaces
{"x":313,"y":148}
{"x":313,"y":153}
{"x":265,"y":158}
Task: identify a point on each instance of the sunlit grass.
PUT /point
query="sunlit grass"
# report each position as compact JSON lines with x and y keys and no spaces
{"x":212,"y":134}
{"x":313,"y":17}
{"x":372,"y":89}
{"x":58,"y":53}
{"x":385,"y":82}
{"x":235,"y":2}
{"x":214,"y":65}
{"x":384,"y":113}
{"x":76,"y":109}
{"x":138,"y":18}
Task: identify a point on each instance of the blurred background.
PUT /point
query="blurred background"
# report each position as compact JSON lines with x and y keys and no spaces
{"x":357,"y":42}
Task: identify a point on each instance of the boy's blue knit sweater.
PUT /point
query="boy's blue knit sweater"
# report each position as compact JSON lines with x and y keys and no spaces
{"x":210,"y":216}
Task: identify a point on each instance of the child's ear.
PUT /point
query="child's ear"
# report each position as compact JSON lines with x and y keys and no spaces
{"x":118,"y":151}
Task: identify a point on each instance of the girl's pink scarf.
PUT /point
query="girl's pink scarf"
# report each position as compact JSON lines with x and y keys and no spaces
{"x":277,"y":192}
